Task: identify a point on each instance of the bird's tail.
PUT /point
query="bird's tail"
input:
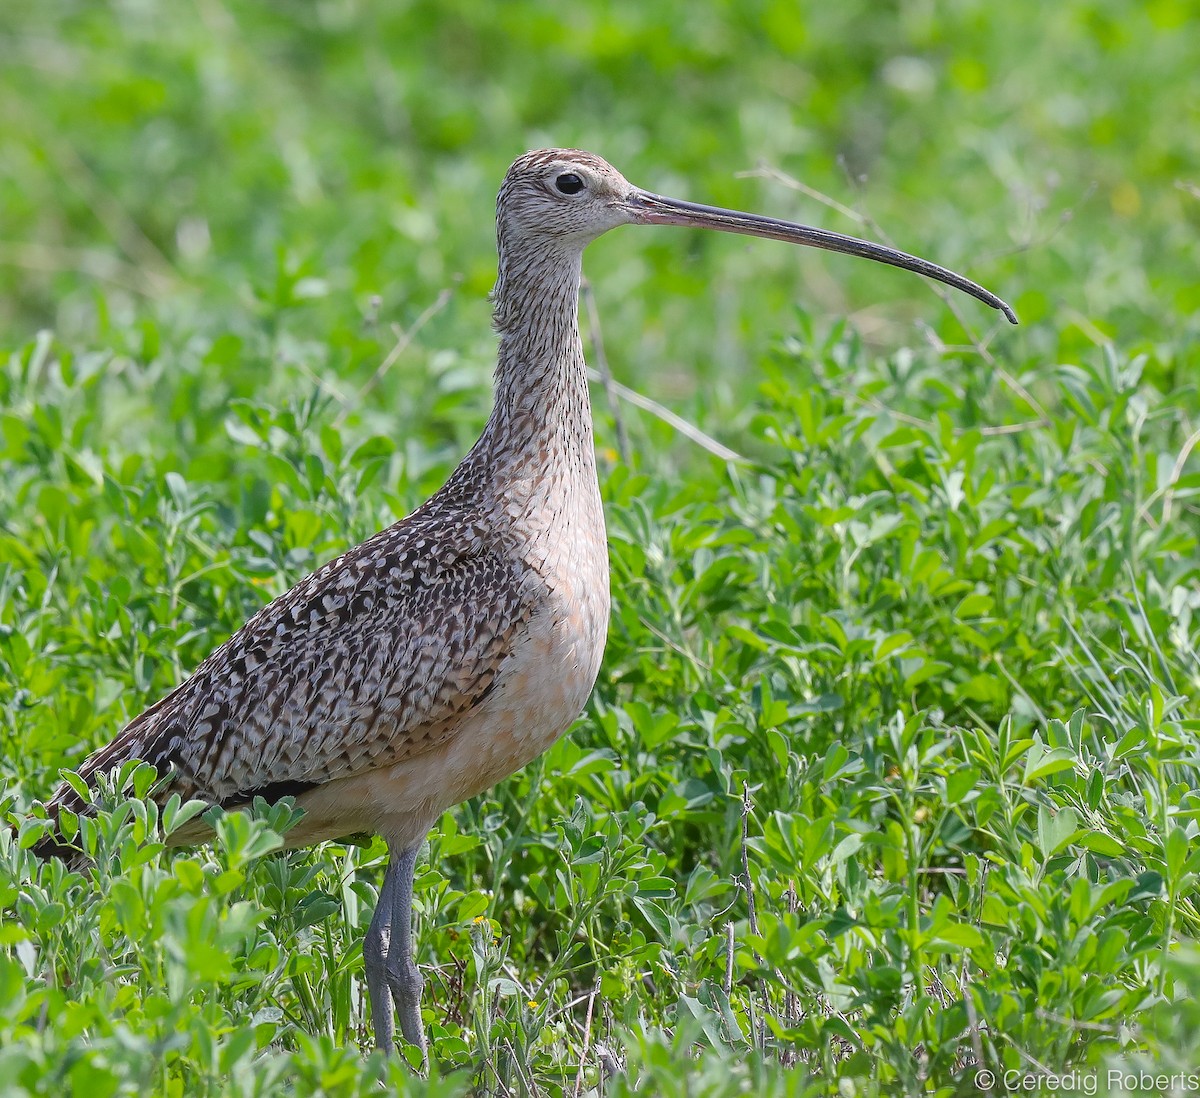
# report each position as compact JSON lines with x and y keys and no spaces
{"x":135,"y":741}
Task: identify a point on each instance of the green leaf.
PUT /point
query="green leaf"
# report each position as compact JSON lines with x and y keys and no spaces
{"x":1055,"y":829}
{"x":1041,"y":762}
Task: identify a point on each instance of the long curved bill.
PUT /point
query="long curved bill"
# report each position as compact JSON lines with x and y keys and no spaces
{"x":648,"y":208}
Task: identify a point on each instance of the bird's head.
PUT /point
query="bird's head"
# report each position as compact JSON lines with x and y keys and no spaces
{"x":562,"y":199}
{"x":564,"y":195}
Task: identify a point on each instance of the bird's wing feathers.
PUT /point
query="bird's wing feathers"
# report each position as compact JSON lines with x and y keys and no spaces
{"x":367,"y":661}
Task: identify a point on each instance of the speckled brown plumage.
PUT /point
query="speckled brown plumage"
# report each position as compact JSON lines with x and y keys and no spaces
{"x":448,"y":650}
{"x":380,"y":656}
{"x":364,"y":663}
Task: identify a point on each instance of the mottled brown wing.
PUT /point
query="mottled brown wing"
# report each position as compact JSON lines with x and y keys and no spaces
{"x":365,"y":662}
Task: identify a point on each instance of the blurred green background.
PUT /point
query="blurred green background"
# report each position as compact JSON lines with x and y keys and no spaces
{"x":945,"y":618}
{"x":196,"y":162}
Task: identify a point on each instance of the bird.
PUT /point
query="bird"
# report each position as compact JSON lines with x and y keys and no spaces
{"x":445,"y":652}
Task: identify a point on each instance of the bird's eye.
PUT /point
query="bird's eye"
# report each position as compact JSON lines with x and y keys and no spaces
{"x":569,"y":183}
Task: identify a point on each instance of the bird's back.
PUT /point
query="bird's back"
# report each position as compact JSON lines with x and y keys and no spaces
{"x":474,"y":608}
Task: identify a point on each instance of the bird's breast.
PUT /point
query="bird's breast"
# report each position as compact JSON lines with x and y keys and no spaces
{"x":548,"y":673}
{"x":542,"y":683}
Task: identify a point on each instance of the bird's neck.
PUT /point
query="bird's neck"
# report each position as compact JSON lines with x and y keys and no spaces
{"x":534,"y":466}
{"x":541,"y":423}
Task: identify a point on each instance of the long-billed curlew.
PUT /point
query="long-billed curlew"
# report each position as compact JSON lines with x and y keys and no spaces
{"x":447,"y":651}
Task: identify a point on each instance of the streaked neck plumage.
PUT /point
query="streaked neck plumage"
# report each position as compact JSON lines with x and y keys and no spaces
{"x":533,"y":469}
{"x":541,"y":421}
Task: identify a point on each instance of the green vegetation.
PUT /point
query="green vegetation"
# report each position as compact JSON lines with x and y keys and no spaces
{"x":923,"y":665}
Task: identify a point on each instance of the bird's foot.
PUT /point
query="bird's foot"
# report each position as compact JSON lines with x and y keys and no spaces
{"x":405,"y":984}
{"x":394,"y":982}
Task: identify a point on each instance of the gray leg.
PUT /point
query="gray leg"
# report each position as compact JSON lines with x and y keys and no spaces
{"x":393,"y":981}
{"x":375,"y":952}
{"x":403,"y":978}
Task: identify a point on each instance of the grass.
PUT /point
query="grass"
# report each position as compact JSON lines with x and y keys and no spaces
{"x":891,"y":771}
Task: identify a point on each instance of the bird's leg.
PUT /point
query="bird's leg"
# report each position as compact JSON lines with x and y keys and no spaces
{"x":376,"y":945}
{"x":403,"y":978}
